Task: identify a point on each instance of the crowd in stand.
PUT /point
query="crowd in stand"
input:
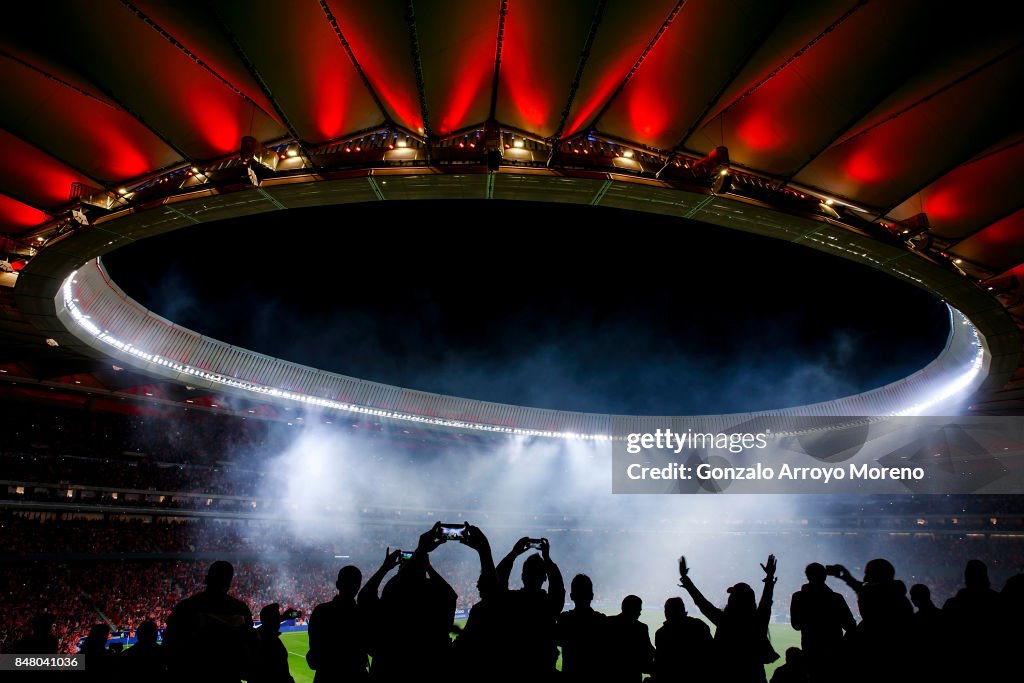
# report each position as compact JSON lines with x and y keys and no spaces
{"x":117,"y":557}
{"x":132,"y":474}
{"x":889,"y":634}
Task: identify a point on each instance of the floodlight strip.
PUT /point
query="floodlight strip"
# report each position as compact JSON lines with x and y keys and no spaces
{"x":947,"y":390}
{"x":84,"y":321}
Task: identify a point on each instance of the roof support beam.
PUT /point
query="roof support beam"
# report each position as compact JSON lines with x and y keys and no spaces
{"x":417,"y":62}
{"x":636,"y":65}
{"x":355,"y":62}
{"x":251,"y":68}
{"x":595,"y":23}
{"x":188,"y":53}
{"x":499,"y":43}
{"x":789,"y":60}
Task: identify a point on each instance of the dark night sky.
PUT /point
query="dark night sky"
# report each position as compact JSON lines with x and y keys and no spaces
{"x":552,"y":306}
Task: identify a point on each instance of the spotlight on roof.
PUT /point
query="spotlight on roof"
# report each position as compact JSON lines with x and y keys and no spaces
{"x":722,"y":183}
{"x":908,"y":228}
{"x":252,"y":151}
{"x":713,"y":164}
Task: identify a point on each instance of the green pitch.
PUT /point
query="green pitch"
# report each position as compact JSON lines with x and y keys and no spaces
{"x":297,"y":644}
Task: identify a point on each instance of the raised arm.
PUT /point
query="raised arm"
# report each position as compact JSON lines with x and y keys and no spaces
{"x":764,"y":606}
{"x":556,"y":585}
{"x":713,"y":613}
{"x":476,"y":540}
{"x":847,"y":578}
{"x":371,"y":589}
{"x":504,"y":569}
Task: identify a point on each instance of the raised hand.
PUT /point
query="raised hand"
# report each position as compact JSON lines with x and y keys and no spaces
{"x":521,"y":546}
{"x":769,"y":568}
{"x":545,"y":549}
{"x":430,"y":539}
{"x":392,"y":558}
{"x":684,"y":571}
{"x":474,"y":537}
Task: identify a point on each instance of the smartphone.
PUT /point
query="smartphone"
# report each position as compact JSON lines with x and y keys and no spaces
{"x":534,"y":543}
{"x":452,"y":532}
{"x":404,"y":556}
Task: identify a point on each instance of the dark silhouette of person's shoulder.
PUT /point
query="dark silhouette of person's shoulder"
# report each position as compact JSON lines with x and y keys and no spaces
{"x":585,"y":616}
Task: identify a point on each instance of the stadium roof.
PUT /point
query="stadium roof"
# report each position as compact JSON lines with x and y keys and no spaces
{"x":900,"y":115}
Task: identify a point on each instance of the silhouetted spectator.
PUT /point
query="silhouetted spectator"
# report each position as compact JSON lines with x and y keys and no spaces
{"x":629,"y":642}
{"x":927,"y":636}
{"x":794,"y":670}
{"x":338,"y":644}
{"x":529,"y":636}
{"x":41,"y":640}
{"x":145,"y":661}
{"x":822,"y":617}
{"x":682,"y":646}
{"x":976,"y":604}
{"x":881,"y":597}
{"x":582,"y":633}
{"x":885,"y":619}
{"x":209,"y":635}
{"x":99,"y":661}
{"x":270,"y":657}
{"x":1012,"y":595}
{"x":417,"y":607}
{"x":741,"y":637}
{"x":478,"y":647}
{"x":1012,"y":598}
{"x":974,"y":620}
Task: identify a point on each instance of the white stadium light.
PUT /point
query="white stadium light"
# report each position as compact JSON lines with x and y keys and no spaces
{"x":935,"y":393}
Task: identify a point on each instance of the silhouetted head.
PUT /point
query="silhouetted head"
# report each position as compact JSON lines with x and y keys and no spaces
{"x":41,"y":623}
{"x":976,"y":574}
{"x":349,"y":581}
{"x":486,"y":586}
{"x":270,"y":616}
{"x":1013,"y":590}
{"x":741,"y":600}
{"x":145,"y":634}
{"x":97,"y":638}
{"x":794,"y":656}
{"x":218,"y":578}
{"x":581,"y":590}
{"x":632,"y":605}
{"x":815,"y":572}
{"x":920,"y":595}
{"x":879,"y":570}
{"x":675,"y":610}
{"x":534,"y":572}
